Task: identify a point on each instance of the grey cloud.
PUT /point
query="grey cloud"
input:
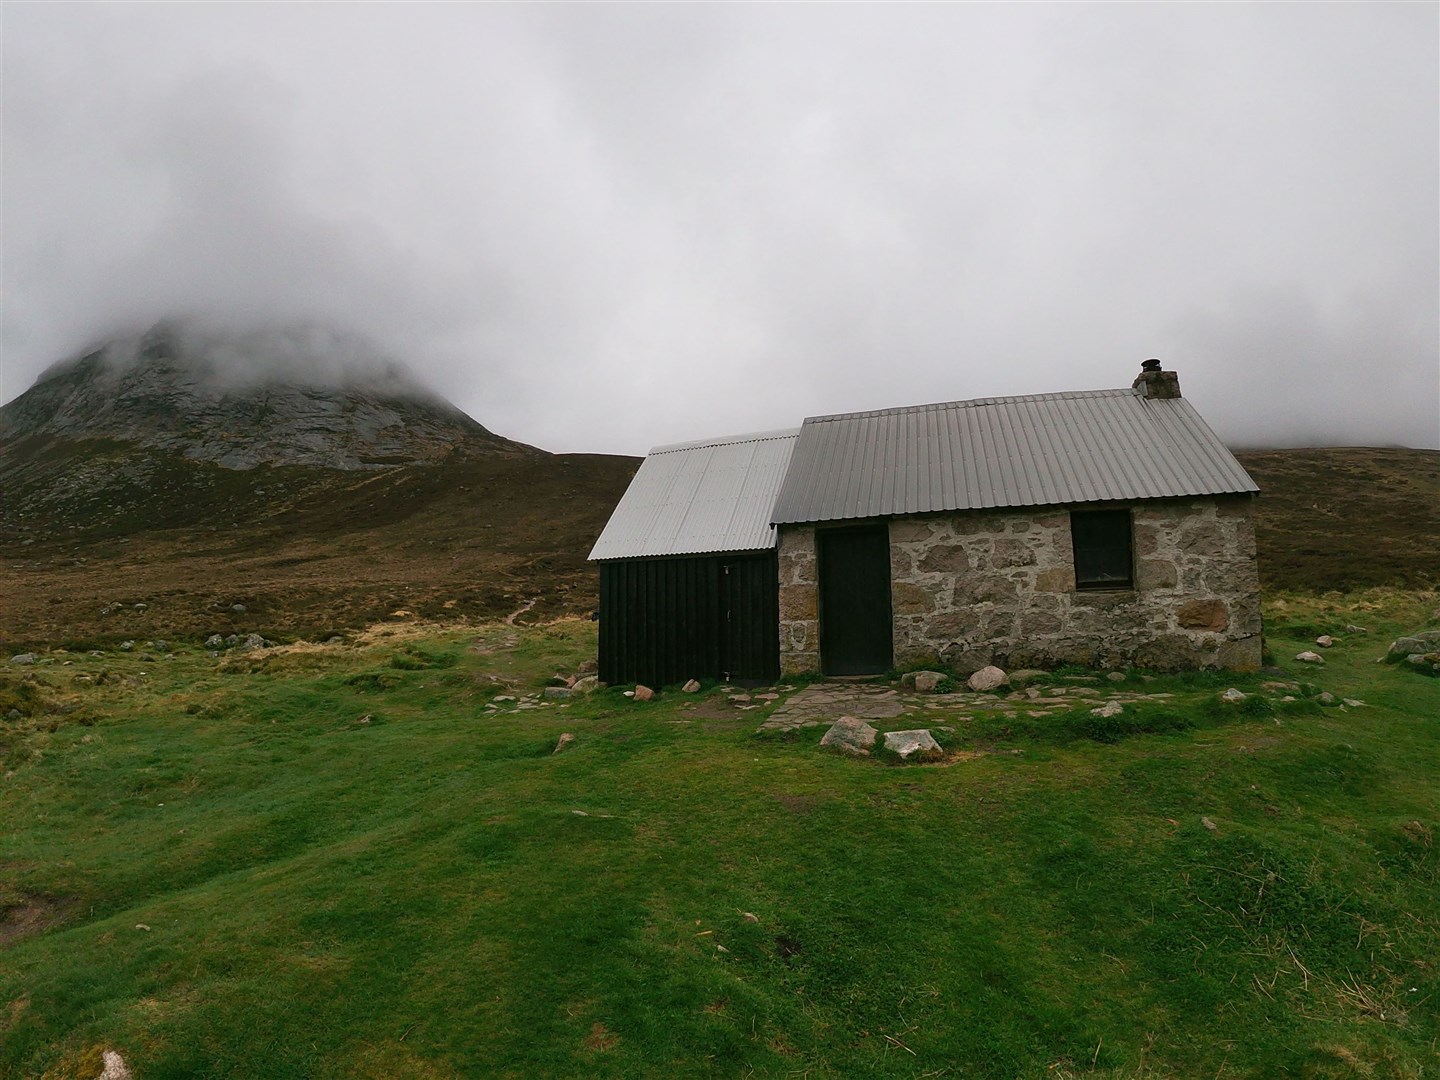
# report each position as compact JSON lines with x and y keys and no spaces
{"x":606,"y":227}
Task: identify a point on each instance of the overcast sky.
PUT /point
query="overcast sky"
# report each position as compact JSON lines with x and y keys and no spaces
{"x":605,"y":227}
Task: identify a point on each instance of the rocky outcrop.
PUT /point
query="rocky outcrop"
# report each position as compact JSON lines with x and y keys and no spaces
{"x":293,"y":397}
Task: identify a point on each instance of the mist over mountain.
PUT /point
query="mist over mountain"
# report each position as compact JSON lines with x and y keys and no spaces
{"x":243,"y":397}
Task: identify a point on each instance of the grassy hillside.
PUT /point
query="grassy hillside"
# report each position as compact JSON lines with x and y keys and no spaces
{"x":1347,"y":517}
{"x":363,"y":860}
{"x":89,"y":531}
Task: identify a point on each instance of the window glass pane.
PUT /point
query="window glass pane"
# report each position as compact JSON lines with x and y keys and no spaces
{"x":1102,"y":547}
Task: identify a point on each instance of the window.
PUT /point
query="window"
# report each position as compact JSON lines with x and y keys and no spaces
{"x":1102,"y":548}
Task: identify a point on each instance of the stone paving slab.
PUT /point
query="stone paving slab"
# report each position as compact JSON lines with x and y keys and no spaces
{"x":821,"y":704}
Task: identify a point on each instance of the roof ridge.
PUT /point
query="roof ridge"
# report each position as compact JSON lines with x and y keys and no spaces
{"x":726,"y":440}
{"x":971,"y":403}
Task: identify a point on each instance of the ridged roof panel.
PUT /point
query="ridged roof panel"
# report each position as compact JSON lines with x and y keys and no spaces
{"x":700,"y":498}
{"x":1045,"y":449}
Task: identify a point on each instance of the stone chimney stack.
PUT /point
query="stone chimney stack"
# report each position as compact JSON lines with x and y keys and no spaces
{"x":1154,"y":383}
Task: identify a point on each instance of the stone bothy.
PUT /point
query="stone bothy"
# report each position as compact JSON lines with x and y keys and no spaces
{"x":1107,"y":528}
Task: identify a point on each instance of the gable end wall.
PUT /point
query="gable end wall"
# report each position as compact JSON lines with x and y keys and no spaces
{"x":972,"y":588}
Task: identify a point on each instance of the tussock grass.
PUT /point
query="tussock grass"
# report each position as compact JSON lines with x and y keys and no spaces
{"x":350,"y":866}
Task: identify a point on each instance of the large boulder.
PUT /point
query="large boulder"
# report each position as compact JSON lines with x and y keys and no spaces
{"x":850,"y":735}
{"x":1427,"y":641}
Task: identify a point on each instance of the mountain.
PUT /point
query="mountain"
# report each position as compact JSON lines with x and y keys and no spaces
{"x":275,"y":397}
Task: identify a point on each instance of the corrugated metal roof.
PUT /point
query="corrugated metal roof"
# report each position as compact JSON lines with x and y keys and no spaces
{"x":702,"y":497}
{"x":1045,"y":449}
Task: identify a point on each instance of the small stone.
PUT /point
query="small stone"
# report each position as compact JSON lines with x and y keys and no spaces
{"x":585,"y":684}
{"x":142,"y":926}
{"x":114,"y":1067}
{"x":1309,"y":657}
{"x":1116,"y":676}
{"x":643,"y":693}
{"x":1351,"y":628}
{"x":1210,"y":825}
{"x":239,"y":609}
{"x":1110,"y":708}
{"x":566,"y":738}
{"x":140,"y":607}
{"x":927,"y":681}
{"x":690,"y":687}
{"x":126,"y":646}
{"x":1232,"y":696}
{"x":1327,"y":698}
{"x":23,"y":658}
{"x":252,"y":641}
{"x":850,"y":735}
{"x":214,"y":641}
{"x":1325,"y":641}
{"x":1354,"y":703}
{"x":987,"y":678}
{"x":909,"y":743}
{"x":749,"y":916}
{"x":557,"y":693}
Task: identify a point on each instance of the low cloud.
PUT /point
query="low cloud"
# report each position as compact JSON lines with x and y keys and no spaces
{"x":613,"y":227}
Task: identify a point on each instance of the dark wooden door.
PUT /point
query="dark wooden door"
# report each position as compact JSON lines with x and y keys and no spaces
{"x":854,"y":600}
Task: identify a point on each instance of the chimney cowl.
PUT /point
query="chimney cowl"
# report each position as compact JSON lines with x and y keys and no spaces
{"x":1154,"y":383}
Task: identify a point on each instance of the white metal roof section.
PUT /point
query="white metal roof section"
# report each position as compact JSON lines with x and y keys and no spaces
{"x":1046,"y":449}
{"x":702,"y":497}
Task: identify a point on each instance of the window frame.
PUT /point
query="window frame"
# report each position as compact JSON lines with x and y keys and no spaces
{"x":1110,"y":550}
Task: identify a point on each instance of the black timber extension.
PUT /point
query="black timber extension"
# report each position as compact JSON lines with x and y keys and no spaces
{"x":666,"y":620}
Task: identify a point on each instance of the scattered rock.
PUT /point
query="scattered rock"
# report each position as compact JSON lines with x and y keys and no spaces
{"x":1233,"y":696}
{"x":1210,"y":825}
{"x":1354,"y":703}
{"x":586,"y":684}
{"x":23,"y":658}
{"x":115,"y":1067}
{"x":365,"y":719}
{"x":1110,"y":708}
{"x":927,"y":681}
{"x":910,"y":743}
{"x":126,"y":646}
{"x":566,"y":738}
{"x":643,"y":693}
{"x":252,"y":641}
{"x":1082,"y":692}
{"x":214,"y":641}
{"x":239,"y":609}
{"x":589,"y":667}
{"x":749,"y":916}
{"x":1116,"y":676}
{"x":1327,"y":698}
{"x":1351,"y":628}
{"x":851,"y":736}
{"x":140,"y":607}
{"x":1325,"y":641}
{"x":987,"y":678}
{"x":690,"y":687}
{"x":557,"y":693}
{"x":142,"y":926}
{"x":1276,"y":687}
{"x":1309,"y":657}
{"x":911,"y":680}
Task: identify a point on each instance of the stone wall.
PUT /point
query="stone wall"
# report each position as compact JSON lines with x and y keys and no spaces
{"x":799,"y":601}
{"x":974,"y":588}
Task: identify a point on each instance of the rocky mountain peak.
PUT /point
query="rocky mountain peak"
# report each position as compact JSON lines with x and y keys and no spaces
{"x":288,"y":396}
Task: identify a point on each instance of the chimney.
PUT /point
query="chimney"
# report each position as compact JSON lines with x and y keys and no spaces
{"x":1154,"y":383}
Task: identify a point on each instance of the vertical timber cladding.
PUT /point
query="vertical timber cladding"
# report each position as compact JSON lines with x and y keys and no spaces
{"x":666,"y":620}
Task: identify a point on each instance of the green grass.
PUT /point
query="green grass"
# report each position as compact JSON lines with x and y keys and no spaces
{"x":350,"y":866}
